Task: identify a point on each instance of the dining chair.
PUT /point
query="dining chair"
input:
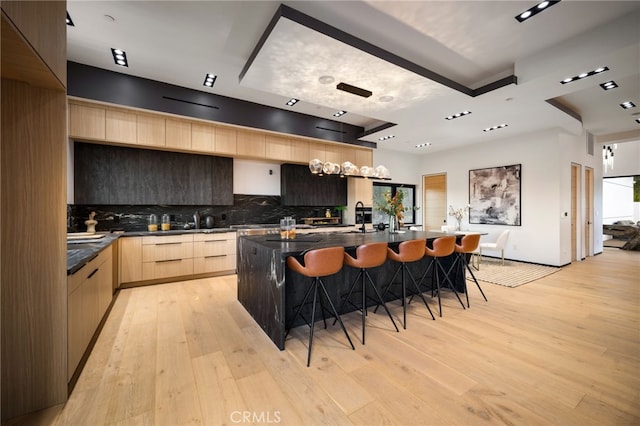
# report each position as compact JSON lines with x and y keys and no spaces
{"x":499,"y":245}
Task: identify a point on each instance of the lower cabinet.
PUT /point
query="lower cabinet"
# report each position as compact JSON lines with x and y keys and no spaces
{"x":89,"y":293}
{"x":214,"y":253}
{"x":165,"y":257}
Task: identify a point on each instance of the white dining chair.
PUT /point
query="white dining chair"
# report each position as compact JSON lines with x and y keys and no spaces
{"x":499,"y":245}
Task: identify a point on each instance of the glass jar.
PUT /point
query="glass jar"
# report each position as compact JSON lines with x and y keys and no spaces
{"x":166,"y":222}
{"x":152,"y":225}
{"x":287,"y":228}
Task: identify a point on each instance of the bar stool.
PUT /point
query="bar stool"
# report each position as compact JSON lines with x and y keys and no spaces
{"x":408,"y":251}
{"x":367,"y":256}
{"x":468,"y":245}
{"x":318,"y":263}
{"x":442,"y":247}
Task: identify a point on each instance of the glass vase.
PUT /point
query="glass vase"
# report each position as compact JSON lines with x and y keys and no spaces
{"x":393,"y":224}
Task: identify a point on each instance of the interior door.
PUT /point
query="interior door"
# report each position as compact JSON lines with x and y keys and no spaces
{"x":588,"y":226}
{"x":434,"y":201}
{"x":575,"y":193}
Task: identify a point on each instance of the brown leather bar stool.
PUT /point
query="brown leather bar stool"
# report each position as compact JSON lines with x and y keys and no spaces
{"x":318,"y":263}
{"x":468,"y":245}
{"x":367,"y":256}
{"x":442,"y":247}
{"x":408,"y":251}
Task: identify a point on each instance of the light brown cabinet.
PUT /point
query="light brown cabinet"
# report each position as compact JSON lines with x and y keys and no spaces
{"x":121,"y":126}
{"x":278,"y":148}
{"x":130,"y":262}
{"x":213,"y":253}
{"x":203,"y":137}
{"x":178,"y":134}
{"x":226,"y":140}
{"x":250,"y":144}
{"x":167,"y":256}
{"x":151,"y":130}
{"x":86,"y":122}
{"x":118,"y":125}
{"x":89,"y":296}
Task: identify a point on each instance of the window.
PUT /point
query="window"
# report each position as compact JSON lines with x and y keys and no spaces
{"x":408,"y":201}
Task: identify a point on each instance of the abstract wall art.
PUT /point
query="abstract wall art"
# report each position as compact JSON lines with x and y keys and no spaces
{"x":494,"y":195}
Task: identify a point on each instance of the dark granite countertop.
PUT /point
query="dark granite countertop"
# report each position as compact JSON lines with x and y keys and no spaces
{"x":80,"y":252}
{"x":347,"y":240}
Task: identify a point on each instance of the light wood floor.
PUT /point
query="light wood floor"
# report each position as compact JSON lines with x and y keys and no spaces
{"x":564,"y":350}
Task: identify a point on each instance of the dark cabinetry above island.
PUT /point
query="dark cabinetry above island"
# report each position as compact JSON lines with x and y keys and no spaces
{"x":299,"y":187}
{"x":105,"y":174}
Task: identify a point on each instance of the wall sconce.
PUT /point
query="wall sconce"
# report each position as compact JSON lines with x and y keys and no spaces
{"x":607,"y":156}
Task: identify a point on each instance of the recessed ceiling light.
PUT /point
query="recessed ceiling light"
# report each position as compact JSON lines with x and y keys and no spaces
{"x":609,"y":85}
{"x":627,"y":105}
{"x":385,"y":98}
{"x":458,"y":115}
{"x":533,"y":11}
{"x":119,"y":57}
{"x":209,"y":80}
{"x":339,"y":113}
{"x":292,"y":101}
{"x":326,"y":79}
{"x":422,"y":145}
{"x":384,"y":138}
{"x":500,"y":126}
{"x":584,"y":75}
{"x":70,"y":21}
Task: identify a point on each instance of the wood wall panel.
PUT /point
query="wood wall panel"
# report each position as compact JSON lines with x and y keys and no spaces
{"x":33,"y":18}
{"x":33,"y":248}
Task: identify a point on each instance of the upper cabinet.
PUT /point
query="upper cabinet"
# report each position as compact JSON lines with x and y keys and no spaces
{"x":106,"y":174}
{"x":34,"y":50}
{"x":87,"y":122}
{"x":299,"y":187}
{"x":90,"y":121}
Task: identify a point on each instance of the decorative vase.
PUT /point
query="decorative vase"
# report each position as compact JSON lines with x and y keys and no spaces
{"x":393,"y":224}
{"x":458,"y":224}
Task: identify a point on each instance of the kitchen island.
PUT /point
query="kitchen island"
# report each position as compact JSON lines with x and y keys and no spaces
{"x":269,"y":291}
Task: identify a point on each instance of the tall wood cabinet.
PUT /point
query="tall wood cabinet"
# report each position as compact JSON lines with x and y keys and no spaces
{"x":33,"y":208}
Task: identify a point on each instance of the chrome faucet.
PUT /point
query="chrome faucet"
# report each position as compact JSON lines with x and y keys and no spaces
{"x":362,"y":229}
{"x":196,"y":220}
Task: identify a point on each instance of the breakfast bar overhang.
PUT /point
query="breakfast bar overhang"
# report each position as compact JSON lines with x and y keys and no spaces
{"x":269,"y":291}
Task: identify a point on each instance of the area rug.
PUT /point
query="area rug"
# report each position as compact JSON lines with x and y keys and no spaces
{"x":614,"y":242}
{"x":512,"y":274}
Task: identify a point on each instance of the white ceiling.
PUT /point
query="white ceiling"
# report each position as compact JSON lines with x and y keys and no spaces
{"x":470,"y":42}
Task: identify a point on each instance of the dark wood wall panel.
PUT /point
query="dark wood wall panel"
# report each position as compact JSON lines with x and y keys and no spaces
{"x":299,"y":187}
{"x":107,"y":174}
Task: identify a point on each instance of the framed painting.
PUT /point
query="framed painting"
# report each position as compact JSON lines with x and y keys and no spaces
{"x":494,"y":195}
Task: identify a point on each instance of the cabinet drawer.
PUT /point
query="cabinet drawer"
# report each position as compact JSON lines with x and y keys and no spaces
{"x":167,"y":268}
{"x":204,"y":265}
{"x":163,"y":239}
{"x":214,"y":248}
{"x":215,"y":236}
{"x":167,"y":251}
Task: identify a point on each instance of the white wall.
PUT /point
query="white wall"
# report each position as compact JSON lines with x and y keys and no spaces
{"x":546,"y":159}
{"x":256,"y":178}
{"x":617,"y":197}
{"x":626,"y":160}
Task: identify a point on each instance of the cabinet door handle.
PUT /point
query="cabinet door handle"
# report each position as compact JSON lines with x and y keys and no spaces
{"x":167,"y":244}
{"x":169,"y":260}
{"x":93,"y":273}
{"x":215,"y":255}
{"x":214,"y":241}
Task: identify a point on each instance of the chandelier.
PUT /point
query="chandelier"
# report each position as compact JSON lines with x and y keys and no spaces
{"x":607,"y":156}
{"x":317,"y":167}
